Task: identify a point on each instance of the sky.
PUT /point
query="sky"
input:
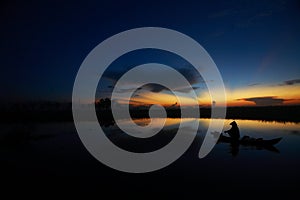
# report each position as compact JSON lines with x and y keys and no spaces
{"x":255,"y":45}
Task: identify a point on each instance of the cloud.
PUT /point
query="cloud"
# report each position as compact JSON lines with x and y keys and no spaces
{"x":186,"y":90}
{"x":191,"y":75}
{"x":290,"y":82}
{"x":254,"y":84}
{"x":154,"y":87}
{"x":187,"y":71}
{"x":265,"y":101}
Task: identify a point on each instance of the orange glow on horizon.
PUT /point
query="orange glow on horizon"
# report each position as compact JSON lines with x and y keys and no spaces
{"x":283,"y":95}
{"x":289,"y":94}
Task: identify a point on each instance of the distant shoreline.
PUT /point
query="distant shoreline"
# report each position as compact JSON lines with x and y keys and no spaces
{"x":268,"y":113}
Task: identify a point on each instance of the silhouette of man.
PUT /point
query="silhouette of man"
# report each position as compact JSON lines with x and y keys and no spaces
{"x":234,"y":132}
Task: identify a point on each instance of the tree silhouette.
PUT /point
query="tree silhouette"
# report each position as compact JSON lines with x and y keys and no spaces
{"x":103,"y":104}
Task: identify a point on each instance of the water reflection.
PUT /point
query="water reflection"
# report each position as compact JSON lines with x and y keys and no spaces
{"x":256,"y":144}
{"x":64,"y":156}
{"x":251,"y":132}
{"x":234,"y":140}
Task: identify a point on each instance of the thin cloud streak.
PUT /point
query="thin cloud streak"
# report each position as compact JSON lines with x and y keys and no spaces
{"x":265,"y":101}
{"x":290,"y":82}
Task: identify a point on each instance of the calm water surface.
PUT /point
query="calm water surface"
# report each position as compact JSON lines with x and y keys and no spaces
{"x":53,"y":152}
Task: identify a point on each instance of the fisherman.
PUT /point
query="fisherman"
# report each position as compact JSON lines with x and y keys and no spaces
{"x":234,"y":132}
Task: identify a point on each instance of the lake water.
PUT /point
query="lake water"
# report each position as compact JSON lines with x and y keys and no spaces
{"x":53,"y":153}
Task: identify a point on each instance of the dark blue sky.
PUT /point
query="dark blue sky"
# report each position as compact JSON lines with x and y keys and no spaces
{"x":43,"y":43}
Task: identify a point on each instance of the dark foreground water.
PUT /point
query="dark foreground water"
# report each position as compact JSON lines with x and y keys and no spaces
{"x":50,"y":157}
